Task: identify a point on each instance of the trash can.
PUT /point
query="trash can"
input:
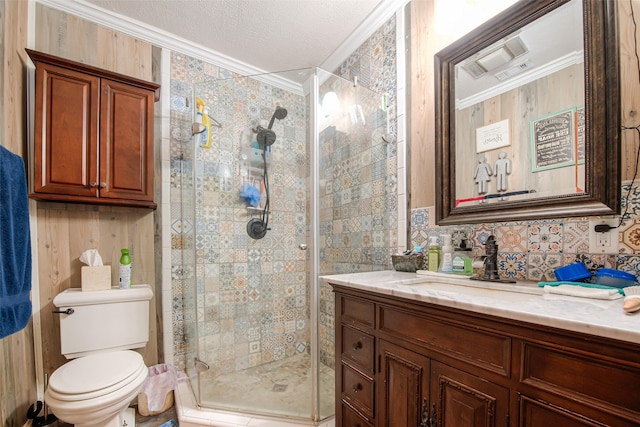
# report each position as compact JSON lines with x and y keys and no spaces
{"x":156,"y":395}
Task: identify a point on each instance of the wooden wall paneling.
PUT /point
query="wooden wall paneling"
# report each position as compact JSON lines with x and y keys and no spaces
{"x":124,"y":54}
{"x":421,"y":133}
{"x":141,"y":236}
{"x":84,"y":234}
{"x":65,"y":35}
{"x":630,"y":89}
{"x":17,"y":360}
{"x":425,"y":43}
{"x":54,"y":266}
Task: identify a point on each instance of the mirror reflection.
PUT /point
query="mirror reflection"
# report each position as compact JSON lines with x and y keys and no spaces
{"x":519,"y":113}
{"x":528,"y":115}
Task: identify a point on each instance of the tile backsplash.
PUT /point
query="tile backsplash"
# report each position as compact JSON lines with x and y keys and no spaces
{"x":532,"y":250}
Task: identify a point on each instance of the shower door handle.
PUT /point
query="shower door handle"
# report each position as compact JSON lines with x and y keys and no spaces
{"x":302,"y":246}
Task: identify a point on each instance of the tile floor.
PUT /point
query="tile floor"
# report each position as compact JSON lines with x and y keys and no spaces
{"x":280,"y":388}
{"x":153,"y":421}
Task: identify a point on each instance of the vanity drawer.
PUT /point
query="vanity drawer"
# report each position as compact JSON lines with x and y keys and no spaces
{"x":351,"y":418}
{"x":357,"y":347}
{"x":598,"y":381}
{"x":357,"y":389}
{"x":353,"y":310}
{"x":477,"y":346}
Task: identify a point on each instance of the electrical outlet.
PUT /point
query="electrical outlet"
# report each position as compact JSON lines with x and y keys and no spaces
{"x":603,"y":243}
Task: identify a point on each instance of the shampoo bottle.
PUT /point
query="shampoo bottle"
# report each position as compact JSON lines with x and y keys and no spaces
{"x":125,"y":269}
{"x":433,"y":254}
{"x":446,"y":263}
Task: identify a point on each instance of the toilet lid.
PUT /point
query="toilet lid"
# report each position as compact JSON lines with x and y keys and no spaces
{"x":96,"y":374}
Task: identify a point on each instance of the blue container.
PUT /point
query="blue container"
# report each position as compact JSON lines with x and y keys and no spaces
{"x":576,"y":272}
{"x":615,"y":278}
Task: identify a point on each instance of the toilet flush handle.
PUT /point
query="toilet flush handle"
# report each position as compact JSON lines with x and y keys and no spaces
{"x":67,"y":311}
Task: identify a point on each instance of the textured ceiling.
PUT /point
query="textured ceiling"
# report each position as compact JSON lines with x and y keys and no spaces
{"x":271,"y":35}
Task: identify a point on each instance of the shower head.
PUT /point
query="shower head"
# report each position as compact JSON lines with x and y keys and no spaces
{"x":266,"y":137}
{"x":279,"y":114}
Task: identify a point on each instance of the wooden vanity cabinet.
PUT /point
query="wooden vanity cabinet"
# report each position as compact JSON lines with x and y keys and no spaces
{"x":93,"y":140}
{"x":406,"y":363}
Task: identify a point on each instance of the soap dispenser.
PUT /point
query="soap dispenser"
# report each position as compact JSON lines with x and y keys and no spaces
{"x":433,"y":254}
{"x":446,"y":263}
{"x":462,"y":260}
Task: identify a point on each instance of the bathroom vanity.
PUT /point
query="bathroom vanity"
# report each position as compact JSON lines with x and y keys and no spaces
{"x":416,"y":351}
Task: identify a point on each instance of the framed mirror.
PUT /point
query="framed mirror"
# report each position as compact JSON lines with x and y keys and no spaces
{"x":528,"y":115}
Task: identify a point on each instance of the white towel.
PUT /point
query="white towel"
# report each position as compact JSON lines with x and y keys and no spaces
{"x":579,"y":291}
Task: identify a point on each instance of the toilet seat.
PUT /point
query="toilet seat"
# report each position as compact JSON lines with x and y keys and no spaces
{"x":95,"y":375}
{"x":95,"y":388}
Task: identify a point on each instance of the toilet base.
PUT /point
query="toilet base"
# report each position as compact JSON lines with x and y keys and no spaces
{"x":126,"y":418}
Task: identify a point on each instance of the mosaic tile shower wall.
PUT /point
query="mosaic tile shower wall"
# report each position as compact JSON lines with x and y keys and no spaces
{"x":251,"y":302}
{"x":531,"y":250}
{"x":221,"y":278}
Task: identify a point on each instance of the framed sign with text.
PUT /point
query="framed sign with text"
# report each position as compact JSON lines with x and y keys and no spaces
{"x":553,"y":142}
{"x":490,"y":137}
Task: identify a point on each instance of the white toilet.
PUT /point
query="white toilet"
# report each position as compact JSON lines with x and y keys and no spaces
{"x":98,"y":332}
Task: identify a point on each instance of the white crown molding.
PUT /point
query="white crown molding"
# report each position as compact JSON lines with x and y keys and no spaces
{"x":522,"y":79}
{"x":381,"y":14}
{"x":164,"y":39}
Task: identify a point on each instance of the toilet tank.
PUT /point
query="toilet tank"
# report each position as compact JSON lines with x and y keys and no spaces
{"x":106,"y":320}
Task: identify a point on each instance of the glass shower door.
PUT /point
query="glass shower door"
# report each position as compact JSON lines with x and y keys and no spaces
{"x":255,"y":313}
{"x":353,"y":232}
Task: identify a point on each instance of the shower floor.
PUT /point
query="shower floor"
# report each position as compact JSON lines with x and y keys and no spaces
{"x":281,"y":388}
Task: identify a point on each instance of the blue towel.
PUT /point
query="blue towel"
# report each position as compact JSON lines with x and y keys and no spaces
{"x":15,"y":245}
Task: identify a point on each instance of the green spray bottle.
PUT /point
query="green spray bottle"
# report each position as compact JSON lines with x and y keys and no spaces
{"x":125,"y":269}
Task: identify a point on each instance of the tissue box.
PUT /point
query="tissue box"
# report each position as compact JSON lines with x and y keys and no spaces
{"x":96,"y":278}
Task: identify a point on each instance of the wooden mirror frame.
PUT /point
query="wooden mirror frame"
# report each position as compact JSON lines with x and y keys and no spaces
{"x":602,"y":111}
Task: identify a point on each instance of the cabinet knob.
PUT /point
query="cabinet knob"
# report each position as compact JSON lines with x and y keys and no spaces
{"x":357,"y":346}
{"x":103,"y":185}
{"x":357,"y":388}
{"x":93,"y":184}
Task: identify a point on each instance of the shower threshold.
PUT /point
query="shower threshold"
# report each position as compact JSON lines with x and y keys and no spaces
{"x":279,"y":391}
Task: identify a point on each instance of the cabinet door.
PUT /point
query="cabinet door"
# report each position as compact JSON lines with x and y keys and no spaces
{"x":464,"y":400}
{"x":126,"y":142}
{"x":66,"y":132}
{"x":403,"y":390}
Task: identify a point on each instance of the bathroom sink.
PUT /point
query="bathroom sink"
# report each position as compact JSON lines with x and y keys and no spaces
{"x":452,"y":279}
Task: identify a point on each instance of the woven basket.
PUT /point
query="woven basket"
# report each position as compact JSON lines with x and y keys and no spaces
{"x":408,"y":263}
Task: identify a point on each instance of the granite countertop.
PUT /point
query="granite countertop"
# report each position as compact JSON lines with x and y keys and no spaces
{"x":524,"y":301}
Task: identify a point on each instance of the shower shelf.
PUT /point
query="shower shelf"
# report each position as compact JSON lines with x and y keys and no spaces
{"x":256,"y":210}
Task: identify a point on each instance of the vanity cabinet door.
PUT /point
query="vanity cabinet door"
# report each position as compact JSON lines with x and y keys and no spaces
{"x":464,"y":400}
{"x":403,"y":387}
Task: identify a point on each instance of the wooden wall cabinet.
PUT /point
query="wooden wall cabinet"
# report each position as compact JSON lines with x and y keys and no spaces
{"x":407,"y":363}
{"x":93,"y":139}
